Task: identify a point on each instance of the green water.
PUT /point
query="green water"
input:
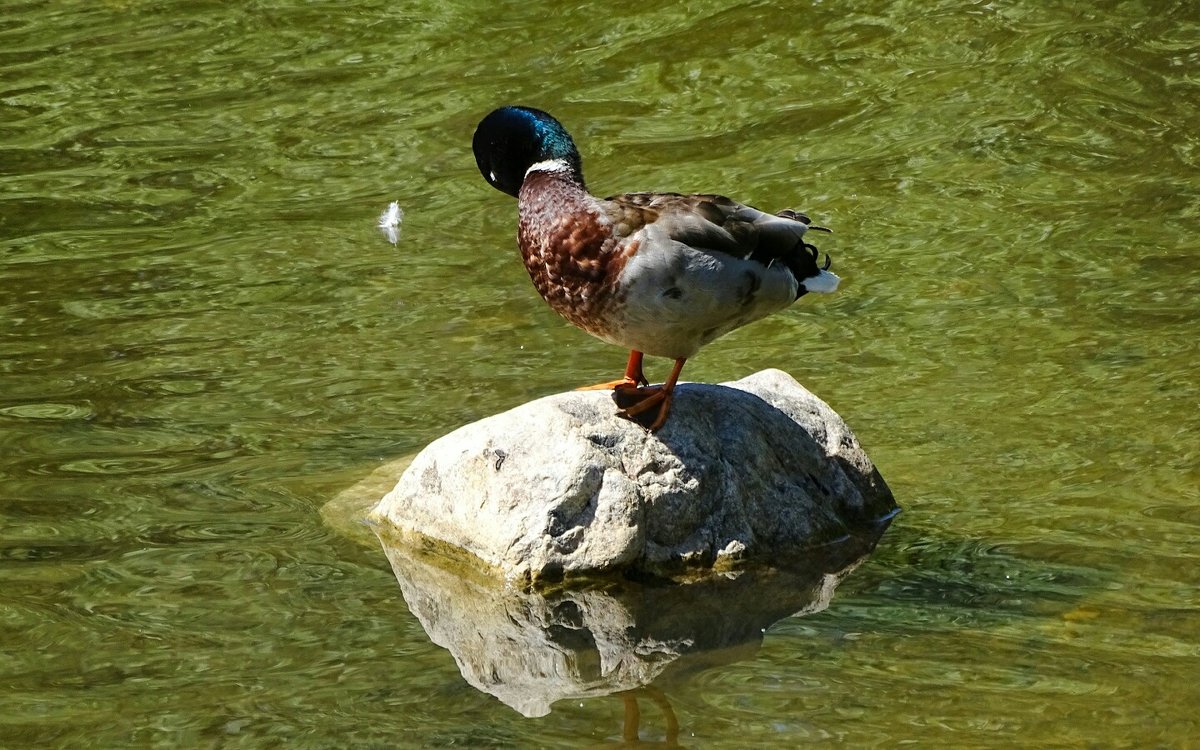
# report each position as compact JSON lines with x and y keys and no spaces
{"x":204,"y":339}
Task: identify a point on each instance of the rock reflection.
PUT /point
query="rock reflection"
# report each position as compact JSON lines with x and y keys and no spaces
{"x":533,"y":648}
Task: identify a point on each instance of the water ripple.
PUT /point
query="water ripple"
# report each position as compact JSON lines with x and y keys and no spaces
{"x":203,"y":333}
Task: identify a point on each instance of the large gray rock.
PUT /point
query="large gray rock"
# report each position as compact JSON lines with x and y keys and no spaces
{"x":759,"y":469}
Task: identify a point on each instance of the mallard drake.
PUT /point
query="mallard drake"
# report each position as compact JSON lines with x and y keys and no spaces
{"x":657,"y":273}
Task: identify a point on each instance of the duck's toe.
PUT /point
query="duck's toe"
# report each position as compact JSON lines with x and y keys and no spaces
{"x":613,"y":385}
{"x":647,"y":406}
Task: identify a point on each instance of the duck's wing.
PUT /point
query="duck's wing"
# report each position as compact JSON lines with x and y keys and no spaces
{"x":715,"y":223}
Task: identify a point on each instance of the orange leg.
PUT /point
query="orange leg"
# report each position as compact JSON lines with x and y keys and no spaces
{"x":633,"y":377}
{"x":655,"y":395}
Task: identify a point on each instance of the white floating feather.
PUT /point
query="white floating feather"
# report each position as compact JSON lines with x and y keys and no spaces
{"x":389,"y":222}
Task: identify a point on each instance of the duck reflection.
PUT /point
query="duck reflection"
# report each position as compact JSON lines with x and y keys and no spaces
{"x":631,"y":730}
{"x":533,"y":648}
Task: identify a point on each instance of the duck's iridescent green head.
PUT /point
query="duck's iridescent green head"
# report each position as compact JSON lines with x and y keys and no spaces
{"x":512,"y":139}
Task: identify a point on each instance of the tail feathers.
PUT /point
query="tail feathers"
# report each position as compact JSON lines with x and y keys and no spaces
{"x":781,"y":239}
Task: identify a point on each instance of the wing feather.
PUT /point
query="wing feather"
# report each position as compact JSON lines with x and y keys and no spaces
{"x":715,"y":223}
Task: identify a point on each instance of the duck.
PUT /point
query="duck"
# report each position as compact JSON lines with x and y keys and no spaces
{"x":658,"y":274}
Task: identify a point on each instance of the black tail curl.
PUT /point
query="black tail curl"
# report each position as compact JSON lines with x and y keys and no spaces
{"x":816,"y":255}
{"x":803,"y":259}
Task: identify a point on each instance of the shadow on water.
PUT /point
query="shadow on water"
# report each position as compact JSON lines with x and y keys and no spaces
{"x":532,"y":649}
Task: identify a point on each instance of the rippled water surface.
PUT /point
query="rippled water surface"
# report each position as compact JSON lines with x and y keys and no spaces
{"x":205,"y":338}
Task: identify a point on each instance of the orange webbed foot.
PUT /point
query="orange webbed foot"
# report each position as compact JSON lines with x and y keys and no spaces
{"x":651,"y":403}
{"x":613,"y":385}
{"x":647,"y":406}
{"x":633,"y":377}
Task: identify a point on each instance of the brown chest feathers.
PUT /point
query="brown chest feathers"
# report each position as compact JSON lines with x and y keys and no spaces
{"x":569,"y":250}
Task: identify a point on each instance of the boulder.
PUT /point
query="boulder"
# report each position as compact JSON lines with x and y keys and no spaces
{"x":758,"y":470}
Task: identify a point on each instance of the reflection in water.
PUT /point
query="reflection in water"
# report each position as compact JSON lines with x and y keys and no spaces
{"x":531,"y":649}
{"x":202,"y":331}
{"x":631,"y":721}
